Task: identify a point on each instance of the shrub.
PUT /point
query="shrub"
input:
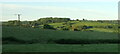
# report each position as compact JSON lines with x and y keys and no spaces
{"x":46,"y":26}
{"x":9,"y":40}
{"x":86,"y":41}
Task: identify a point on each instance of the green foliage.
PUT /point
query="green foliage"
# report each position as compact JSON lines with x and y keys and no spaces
{"x":14,"y":23}
{"x":86,"y":41}
{"x":46,"y":26}
{"x":52,"y":20}
{"x":12,"y":40}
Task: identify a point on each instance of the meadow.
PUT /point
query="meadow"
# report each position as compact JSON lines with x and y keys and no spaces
{"x":40,"y":38}
{"x":60,"y":35}
{"x":60,"y":48}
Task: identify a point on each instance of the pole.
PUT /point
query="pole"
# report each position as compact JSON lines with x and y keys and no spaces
{"x":18,"y":18}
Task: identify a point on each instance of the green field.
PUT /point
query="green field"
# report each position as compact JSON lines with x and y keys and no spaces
{"x":60,"y":48}
{"x":36,"y":33}
{"x":100,"y":26}
{"x":60,"y":35}
{"x":43,"y":35}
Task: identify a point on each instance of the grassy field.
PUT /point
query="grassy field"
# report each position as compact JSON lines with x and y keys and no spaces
{"x":114,"y":28}
{"x":45,"y":34}
{"x":36,"y":33}
{"x":60,"y":48}
{"x":93,"y":23}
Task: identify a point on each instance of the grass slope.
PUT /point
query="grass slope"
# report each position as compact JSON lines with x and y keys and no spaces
{"x":43,"y":35}
{"x":36,"y":33}
{"x":61,"y":48}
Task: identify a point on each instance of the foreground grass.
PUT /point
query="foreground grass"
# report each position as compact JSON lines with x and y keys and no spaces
{"x":60,"y":48}
{"x":42,"y":34}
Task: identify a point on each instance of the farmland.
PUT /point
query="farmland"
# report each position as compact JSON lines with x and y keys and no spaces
{"x":70,"y":36}
{"x":60,"y":48}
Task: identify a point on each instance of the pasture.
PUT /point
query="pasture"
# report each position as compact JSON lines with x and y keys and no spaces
{"x":60,"y":48}
{"x":42,"y":36}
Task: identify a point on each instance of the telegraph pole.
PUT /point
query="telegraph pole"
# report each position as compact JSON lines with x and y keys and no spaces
{"x":18,"y":15}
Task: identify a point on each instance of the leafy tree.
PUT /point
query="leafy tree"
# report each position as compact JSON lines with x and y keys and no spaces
{"x":77,"y":19}
{"x":46,"y":26}
{"x":52,"y":20}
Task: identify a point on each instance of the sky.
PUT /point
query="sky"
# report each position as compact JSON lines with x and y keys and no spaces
{"x":74,"y":9}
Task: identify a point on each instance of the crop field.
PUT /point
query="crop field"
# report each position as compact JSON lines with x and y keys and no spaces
{"x":58,"y":26}
{"x":60,"y":48}
{"x":33,"y":33}
{"x":40,"y":38}
{"x":60,"y":35}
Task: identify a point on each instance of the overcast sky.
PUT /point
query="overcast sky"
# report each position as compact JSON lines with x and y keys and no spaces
{"x":74,"y":9}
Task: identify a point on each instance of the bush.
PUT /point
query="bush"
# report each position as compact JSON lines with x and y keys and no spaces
{"x":46,"y":26}
{"x":85,"y":41}
{"x":109,"y":27}
{"x":10,"y":40}
{"x":13,"y":40}
{"x":118,"y":26}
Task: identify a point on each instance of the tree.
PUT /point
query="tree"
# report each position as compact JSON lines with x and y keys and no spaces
{"x":84,"y":27}
{"x":77,"y":19}
{"x":83,"y":19}
{"x":52,"y":20}
{"x":46,"y":26}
